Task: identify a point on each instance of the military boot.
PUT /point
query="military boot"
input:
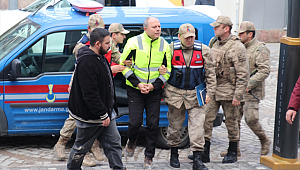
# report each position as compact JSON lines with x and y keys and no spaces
{"x":96,"y":151}
{"x":59,"y":148}
{"x":223,"y":153}
{"x":174,"y":162}
{"x":87,"y":160}
{"x":205,"y":155}
{"x":231,"y":155}
{"x":198,"y":164}
{"x":265,"y":145}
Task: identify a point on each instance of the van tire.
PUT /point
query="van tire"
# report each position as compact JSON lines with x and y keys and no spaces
{"x":162,"y":138}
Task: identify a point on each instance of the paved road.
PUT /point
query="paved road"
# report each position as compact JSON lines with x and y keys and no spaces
{"x":24,"y":153}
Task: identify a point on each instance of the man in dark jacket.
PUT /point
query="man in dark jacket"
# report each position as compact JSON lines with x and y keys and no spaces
{"x":92,"y":103}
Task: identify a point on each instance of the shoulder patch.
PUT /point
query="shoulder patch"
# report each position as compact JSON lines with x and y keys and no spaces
{"x":241,"y":57}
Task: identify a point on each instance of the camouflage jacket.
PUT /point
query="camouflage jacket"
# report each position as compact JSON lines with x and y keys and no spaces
{"x":176,"y":97}
{"x":231,"y":68}
{"x":115,"y":53}
{"x":259,"y":66}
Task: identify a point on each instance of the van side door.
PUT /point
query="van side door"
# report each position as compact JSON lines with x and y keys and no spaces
{"x":36,"y":102}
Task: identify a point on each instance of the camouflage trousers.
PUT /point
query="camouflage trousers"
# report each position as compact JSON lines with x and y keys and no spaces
{"x":230,"y":113}
{"x":69,"y":127}
{"x":250,"y":110}
{"x":196,"y":117}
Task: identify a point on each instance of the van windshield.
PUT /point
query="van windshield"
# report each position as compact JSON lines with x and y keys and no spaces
{"x":36,"y":5}
{"x":16,"y":35}
{"x":45,"y":3}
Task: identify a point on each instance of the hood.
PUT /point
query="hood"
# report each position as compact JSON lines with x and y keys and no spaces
{"x":85,"y":51}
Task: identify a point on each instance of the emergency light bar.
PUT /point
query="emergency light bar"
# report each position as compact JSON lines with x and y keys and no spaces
{"x":86,"y":5}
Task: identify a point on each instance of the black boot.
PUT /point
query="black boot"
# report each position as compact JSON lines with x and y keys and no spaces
{"x":198,"y":164}
{"x":205,"y":155}
{"x":191,"y":157}
{"x":174,"y":162}
{"x":231,"y":155}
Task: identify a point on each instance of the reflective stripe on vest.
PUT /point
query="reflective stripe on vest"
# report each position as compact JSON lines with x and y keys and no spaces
{"x":140,"y":43}
{"x":192,"y":75}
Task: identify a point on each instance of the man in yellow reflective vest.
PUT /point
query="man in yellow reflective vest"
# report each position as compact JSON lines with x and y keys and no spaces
{"x":149,"y":52}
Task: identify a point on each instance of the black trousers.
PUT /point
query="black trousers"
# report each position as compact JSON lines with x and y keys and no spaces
{"x":137,"y":102}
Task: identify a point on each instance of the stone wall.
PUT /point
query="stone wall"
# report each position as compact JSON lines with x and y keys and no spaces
{"x":270,"y":36}
{"x":3,"y":4}
{"x":24,"y":3}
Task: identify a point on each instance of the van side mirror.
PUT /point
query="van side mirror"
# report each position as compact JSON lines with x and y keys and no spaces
{"x":15,"y":71}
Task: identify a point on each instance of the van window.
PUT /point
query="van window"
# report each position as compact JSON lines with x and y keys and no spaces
{"x":52,"y":53}
{"x":16,"y":35}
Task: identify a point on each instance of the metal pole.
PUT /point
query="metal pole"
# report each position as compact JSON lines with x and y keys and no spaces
{"x":285,"y":144}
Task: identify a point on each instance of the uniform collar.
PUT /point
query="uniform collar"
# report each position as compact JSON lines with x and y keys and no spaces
{"x":248,"y":44}
{"x":222,"y":42}
{"x":186,"y":48}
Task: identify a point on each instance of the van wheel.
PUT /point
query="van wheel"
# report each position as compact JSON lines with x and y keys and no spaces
{"x":162,"y":138}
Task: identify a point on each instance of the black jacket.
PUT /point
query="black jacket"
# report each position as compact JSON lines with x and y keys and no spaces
{"x":90,"y":96}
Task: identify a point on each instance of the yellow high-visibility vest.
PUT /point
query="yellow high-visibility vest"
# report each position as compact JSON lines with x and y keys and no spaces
{"x":148,"y":57}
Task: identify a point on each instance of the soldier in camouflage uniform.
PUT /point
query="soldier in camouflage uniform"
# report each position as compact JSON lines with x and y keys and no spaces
{"x":259,"y":66}
{"x":232,"y":77}
{"x":190,"y":57}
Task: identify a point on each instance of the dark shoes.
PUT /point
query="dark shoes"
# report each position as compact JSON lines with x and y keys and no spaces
{"x":231,"y":155}
{"x":205,"y":155}
{"x":129,"y":148}
{"x":198,"y":164}
{"x":148,"y":163}
{"x":174,"y":162}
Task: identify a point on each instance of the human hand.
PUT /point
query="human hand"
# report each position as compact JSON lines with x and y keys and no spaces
{"x":162,"y":70}
{"x":290,"y":116}
{"x":106,"y":122}
{"x":69,"y":89}
{"x":117,"y":68}
{"x":235,"y":102}
{"x":128,"y":62}
{"x":143,"y":88}
{"x":247,"y":90}
{"x":207,"y":99}
{"x":149,"y":87}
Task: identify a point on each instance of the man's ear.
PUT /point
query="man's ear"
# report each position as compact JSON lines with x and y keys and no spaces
{"x":113,"y":35}
{"x":98,"y":44}
{"x":226,"y":29}
{"x":250,"y":34}
{"x":178,"y":36}
{"x":89,"y":29}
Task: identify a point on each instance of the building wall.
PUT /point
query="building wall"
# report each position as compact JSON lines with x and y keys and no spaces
{"x":14,"y":4}
{"x":266,"y":14}
{"x":3,"y":4}
{"x":269,"y":17}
